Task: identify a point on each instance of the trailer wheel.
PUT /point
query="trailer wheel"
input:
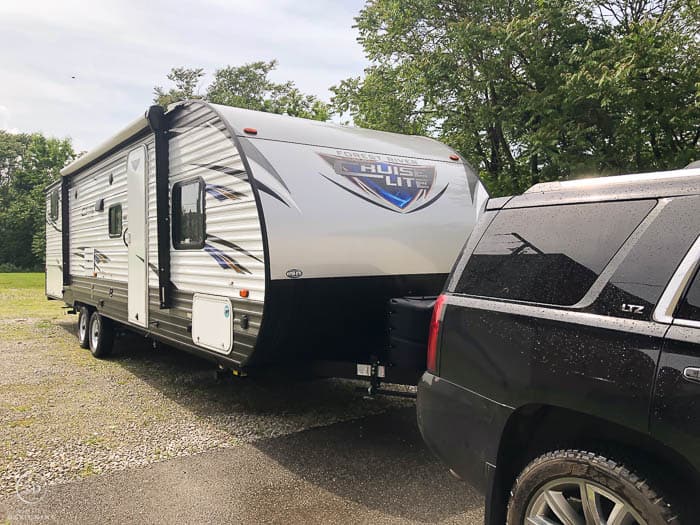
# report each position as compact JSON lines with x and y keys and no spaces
{"x":101,"y":335}
{"x":83,"y":324}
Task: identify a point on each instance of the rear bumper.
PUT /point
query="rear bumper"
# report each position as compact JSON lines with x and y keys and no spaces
{"x":462,"y":428}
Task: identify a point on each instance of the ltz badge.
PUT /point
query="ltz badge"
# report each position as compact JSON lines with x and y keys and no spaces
{"x":401,"y":183}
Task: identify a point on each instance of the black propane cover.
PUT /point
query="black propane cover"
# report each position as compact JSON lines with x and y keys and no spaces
{"x":409,"y":322}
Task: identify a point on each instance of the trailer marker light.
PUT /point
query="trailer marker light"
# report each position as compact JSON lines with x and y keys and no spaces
{"x":434,"y":333}
{"x":250,"y":131}
{"x":244,"y":293}
{"x":454,"y":157}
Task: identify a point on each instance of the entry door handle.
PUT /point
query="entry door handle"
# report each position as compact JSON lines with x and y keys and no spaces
{"x":692,"y":373}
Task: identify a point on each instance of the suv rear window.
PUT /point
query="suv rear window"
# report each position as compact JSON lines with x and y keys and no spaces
{"x":549,"y":254}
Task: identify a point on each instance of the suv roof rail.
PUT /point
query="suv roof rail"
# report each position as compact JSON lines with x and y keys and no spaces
{"x":690,"y":171}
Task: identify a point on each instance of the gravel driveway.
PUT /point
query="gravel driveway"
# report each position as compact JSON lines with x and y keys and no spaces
{"x":68,"y":415}
{"x":75,"y":419}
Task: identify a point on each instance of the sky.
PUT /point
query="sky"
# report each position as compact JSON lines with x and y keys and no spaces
{"x":119,"y":50}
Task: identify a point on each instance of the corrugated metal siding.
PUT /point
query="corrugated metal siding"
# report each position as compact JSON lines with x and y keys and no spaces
{"x":200,"y":146}
{"x":54,"y":246}
{"x":89,"y":228}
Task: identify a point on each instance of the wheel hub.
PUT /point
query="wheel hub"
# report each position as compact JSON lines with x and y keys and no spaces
{"x":95,"y":332}
{"x":577,"y":501}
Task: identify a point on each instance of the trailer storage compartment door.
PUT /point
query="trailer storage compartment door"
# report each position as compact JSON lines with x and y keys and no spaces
{"x":212,"y":322}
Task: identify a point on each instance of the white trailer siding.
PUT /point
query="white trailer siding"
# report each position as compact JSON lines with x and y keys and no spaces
{"x":200,"y":146}
{"x":54,"y":245}
{"x":93,"y":253}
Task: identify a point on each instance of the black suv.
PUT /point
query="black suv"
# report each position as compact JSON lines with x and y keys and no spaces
{"x":564,"y":355}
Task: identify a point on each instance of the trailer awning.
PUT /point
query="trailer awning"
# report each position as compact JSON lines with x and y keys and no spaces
{"x":125,"y":134}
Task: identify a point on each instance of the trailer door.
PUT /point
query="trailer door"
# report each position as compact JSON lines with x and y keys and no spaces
{"x":54,"y":246}
{"x":137,"y":237}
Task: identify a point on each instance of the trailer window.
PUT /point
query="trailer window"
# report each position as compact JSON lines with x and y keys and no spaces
{"x":115,"y":220}
{"x":188,"y":215}
{"x":53,"y":205}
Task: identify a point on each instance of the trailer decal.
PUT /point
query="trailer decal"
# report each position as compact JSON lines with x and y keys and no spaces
{"x":101,"y":257}
{"x":225,"y":261}
{"x":253,"y":154}
{"x":240,"y":174}
{"x":401,"y":183}
{"x":265,"y":189}
{"x":233,"y":246}
{"x":222,"y":193}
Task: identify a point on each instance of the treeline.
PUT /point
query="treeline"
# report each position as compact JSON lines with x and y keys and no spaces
{"x":532,"y":90}
{"x":28,"y":163}
{"x":527,"y":90}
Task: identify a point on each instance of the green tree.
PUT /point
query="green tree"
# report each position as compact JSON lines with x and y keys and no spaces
{"x":28,"y":163}
{"x":186,"y":82}
{"x":534,"y":90}
{"x":247,"y":86}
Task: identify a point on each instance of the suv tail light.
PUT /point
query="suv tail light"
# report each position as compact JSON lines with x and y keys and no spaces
{"x":434,"y":333}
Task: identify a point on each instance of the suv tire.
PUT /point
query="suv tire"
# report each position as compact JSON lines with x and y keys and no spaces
{"x":84,"y":327}
{"x":101,"y":335}
{"x":556,"y":485}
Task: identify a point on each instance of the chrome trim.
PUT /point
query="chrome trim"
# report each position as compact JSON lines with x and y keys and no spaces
{"x":692,"y":373}
{"x":592,"y":182}
{"x":663,"y":313}
{"x":614,"y":263}
{"x":554,"y":314}
{"x":687,"y":323}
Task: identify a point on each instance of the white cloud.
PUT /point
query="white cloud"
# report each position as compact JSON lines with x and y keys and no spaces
{"x":84,"y":70}
{"x":5,"y":120}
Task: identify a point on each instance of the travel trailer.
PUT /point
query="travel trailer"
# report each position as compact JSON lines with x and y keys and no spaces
{"x":252,"y":238}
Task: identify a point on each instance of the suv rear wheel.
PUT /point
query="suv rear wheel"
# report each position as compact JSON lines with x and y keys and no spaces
{"x":572,"y":487}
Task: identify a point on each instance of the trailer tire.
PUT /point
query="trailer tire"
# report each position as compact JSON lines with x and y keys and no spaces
{"x":83,"y":327}
{"x":101,"y":335}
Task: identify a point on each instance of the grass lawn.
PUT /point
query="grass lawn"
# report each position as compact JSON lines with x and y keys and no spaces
{"x":22,"y":280}
{"x":22,"y":295}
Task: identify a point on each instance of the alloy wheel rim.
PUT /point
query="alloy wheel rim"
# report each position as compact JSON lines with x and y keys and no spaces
{"x":95,"y":332}
{"x":577,"y":501}
{"x":82,"y":327}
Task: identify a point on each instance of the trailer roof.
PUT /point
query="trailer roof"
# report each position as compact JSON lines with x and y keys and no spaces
{"x":271,"y":126}
{"x":284,"y":128}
